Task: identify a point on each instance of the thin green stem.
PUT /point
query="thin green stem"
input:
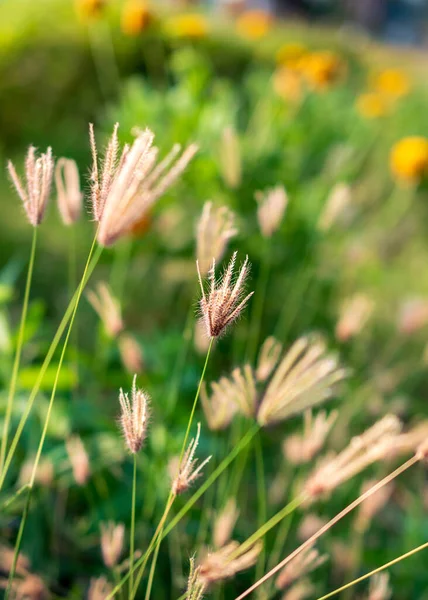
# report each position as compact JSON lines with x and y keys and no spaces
{"x":261,"y":499}
{"x":259,"y":301}
{"x":179,"y":363}
{"x":66,"y":318}
{"x":132,"y":540}
{"x":153,"y":567}
{"x":18,"y":352}
{"x":378,"y":570}
{"x":16,"y":495}
{"x":46,"y":423}
{"x":211,"y":479}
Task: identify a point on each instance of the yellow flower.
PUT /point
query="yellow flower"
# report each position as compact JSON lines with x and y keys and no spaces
{"x":191,"y":25}
{"x":392,"y":82}
{"x":89,"y":9}
{"x":409,"y":159}
{"x":290,"y":54}
{"x":136,"y":17}
{"x":254,"y":24}
{"x":321,"y":69}
{"x":288,"y":84}
{"x":372,"y":105}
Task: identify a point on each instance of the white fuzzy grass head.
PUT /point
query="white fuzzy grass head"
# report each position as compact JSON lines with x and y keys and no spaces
{"x":301,"y":565}
{"x":107,"y":307}
{"x":112,"y":537}
{"x":302,"y":448}
{"x":271,"y":208}
{"x":227,"y":561}
{"x":128,"y":183}
{"x":216,"y":226}
{"x":134,"y":417}
{"x":195,"y":586}
{"x":79,"y":459}
{"x":35,"y":190}
{"x":268,"y":358}
{"x":225,"y":299}
{"x":69,"y":195}
{"x":188,"y":470}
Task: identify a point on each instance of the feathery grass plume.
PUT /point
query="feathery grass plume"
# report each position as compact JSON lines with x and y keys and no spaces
{"x":230,"y":157}
{"x":126,"y":187}
{"x":301,"y":565}
{"x":218,"y":565}
{"x":79,"y":459}
{"x":31,"y":587}
{"x":186,"y":471}
{"x":373,"y":504}
{"x":299,"y":591}
{"x":302,"y":448}
{"x":408,"y":442}
{"x":309,"y":525}
{"x":219,"y":407}
{"x":38,"y":181}
{"x":224,"y":302}
{"x":305,"y":377}
{"x":214,"y":230}
{"x":354,"y":316}
{"x":371,"y":446}
{"x":268,"y":358}
{"x":271,"y":208}
{"x":112,"y":536}
{"x":336,"y":206}
{"x":69,"y":196}
{"x":379,"y":588}
{"x":99,"y":589}
{"x":131,"y":353}
{"x":225,"y":523}
{"x":195,"y":586}
{"x":134,"y":417}
{"x":107,"y":307}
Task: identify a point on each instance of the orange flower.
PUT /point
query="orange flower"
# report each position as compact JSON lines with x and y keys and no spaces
{"x":254,"y":24}
{"x":372,"y":105}
{"x":136,"y":17}
{"x":89,"y":9}
{"x":191,"y":25}
{"x":288,"y":85}
{"x":321,"y":69}
{"x":392,"y":83}
{"x":290,"y":54}
{"x":409,"y":159}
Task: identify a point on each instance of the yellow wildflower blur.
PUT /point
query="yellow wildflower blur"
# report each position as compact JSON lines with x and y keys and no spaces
{"x":322,"y":69}
{"x":409,"y":159}
{"x":254,"y":24}
{"x":372,"y":105}
{"x":136,"y":17}
{"x":190,"y":25}
{"x":392,"y":83}
{"x":290,"y":54}
{"x":287,"y":84}
{"x":89,"y":9}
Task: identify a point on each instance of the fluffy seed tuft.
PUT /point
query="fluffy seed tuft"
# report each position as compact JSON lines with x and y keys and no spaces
{"x":134,"y":417}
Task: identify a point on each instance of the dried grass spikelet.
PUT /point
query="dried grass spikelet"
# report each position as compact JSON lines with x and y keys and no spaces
{"x":214,"y":230}
{"x":379,"y":588}
{"x":302,"y":448}
{"x":271,"y":208}
{"x":79,"y":459}
{"x":302,"y":564}
{"x":131,"y":353}
{"x":218,"y":565}
{"x":310,"y":524}
{"x":38,"y":181}
{"x":134,"y":417}
{"x":195,"y":586}
{"x":125,"y":187}
{"x":107,"y":307}
{"x":336,"y":205}
{"x":299,"y":591}
{"x":225,"y":523}
{"x":99,"y":589}
{"x":230,"y":157}
{"x":69,"y":196}
{"x":413,"y":315}
{"x":305,"y":377}
{"x":186,"y":471}
{"x":112,"y":536}
{"x":224,"y":301}
{"x":410,"y":441}
{"x":31,"y":587}
{"x":371,"y":446}
{"x":373,"y":504}
{"x":268,"y":358}
{"x":354,"y":316}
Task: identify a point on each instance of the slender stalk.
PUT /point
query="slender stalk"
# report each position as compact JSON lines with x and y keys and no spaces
{"x":179,"y":363}
{"x":261,"y":499}
{"x":132,"y":540}
{"x":16,"y":495}
{"x":153,"y":567}
{"x":66,"y":318}
{"x":378,"y":570}
{"x":214,"y":475}
{"x":46,"y":424}
{"x":309,"y":542}
{"x":18,"y":352}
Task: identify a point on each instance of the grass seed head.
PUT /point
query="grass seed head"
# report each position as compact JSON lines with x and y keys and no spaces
{"x":271,"y":208}
{"x":225,"y":523}
{"x":302,"y":448}
{"x":134,"y":417}
{"x":112,"y":536}
{"x":219,"y":565}
{"x":214,"y":230}
{"x":303,"y":563}
{"x":187,"y":471}
{"x":108,"y":309}
{"x":69,"y":196}
{"x":79,"y":459}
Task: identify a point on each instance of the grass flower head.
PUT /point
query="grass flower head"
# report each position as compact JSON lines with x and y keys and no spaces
{"x":187,"y":471}
{"x":69,"y":196}
{"x":134,"y":417}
